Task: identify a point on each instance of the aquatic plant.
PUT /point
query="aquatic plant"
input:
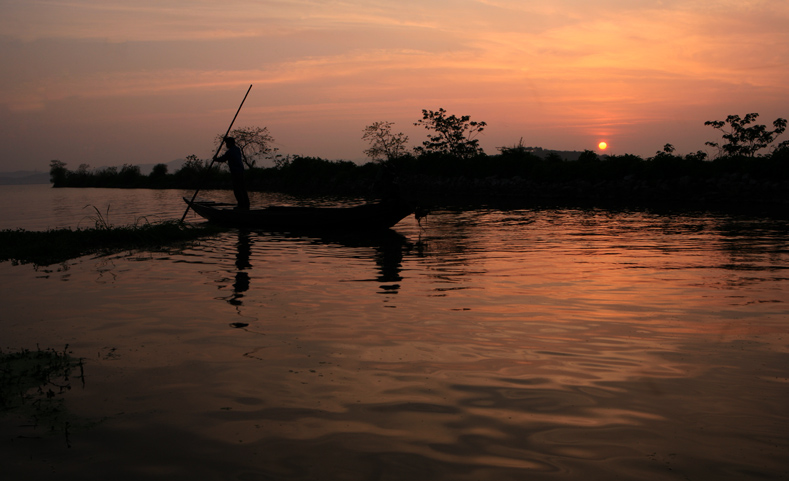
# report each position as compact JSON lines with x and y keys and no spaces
{"x":59,"y":245}
{"x":32,"y":384}
{"x":101,"y":221}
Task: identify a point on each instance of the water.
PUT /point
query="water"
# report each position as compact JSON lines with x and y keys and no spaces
{"x":486,"y":344}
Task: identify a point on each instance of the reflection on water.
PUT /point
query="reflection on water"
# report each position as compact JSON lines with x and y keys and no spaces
{"x":241,"y":284}
{"x":385,"y":249}
{"x":492,"y":344}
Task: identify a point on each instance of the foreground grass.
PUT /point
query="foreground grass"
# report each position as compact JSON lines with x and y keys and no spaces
{"x":32,"y":384}
{"x":60,"y":245}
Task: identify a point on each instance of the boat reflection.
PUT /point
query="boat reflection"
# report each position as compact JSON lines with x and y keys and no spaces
{"x":384,"y":247}
{"x":387,"y":246}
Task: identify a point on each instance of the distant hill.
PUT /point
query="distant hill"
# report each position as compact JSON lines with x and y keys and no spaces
{"x":563,"y":154}
{"x":27,"y":177}
{"x":172,"y":166}
{"x":24,"y":177}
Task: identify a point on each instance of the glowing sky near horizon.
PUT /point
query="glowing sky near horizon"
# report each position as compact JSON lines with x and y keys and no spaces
{"x":107,"y":82}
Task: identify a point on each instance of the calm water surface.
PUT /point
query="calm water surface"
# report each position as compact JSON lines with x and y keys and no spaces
{"x":486,"y":344}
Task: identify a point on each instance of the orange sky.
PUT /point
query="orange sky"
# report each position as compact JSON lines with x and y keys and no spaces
{"x":107,"y":82}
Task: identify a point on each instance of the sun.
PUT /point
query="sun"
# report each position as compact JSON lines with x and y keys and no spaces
{"x":602,"y":145}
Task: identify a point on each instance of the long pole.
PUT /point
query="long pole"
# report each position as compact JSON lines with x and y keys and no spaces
{"x":217,"y":152}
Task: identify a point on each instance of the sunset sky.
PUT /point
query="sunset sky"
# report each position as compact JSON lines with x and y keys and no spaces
{"x":108,"y":82}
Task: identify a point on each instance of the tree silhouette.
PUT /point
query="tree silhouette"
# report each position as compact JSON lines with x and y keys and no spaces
{"x":452,"y":135}
{"x":255,"y":143}
{"x":384,"y":145}
{"x":742,"y":139}
{"x":58,"y":172}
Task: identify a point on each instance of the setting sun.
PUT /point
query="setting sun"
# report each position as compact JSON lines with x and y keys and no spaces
{"x":581,"y":78}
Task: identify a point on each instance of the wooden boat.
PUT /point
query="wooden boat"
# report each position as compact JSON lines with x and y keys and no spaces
{"x":382,"y":215}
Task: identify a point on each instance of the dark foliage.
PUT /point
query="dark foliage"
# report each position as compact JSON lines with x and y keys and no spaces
{"x":742,"y":138}
{"x":255,"y":144}
{"x":451,"y":164}
{"x":32,"y":384}
{"x":59,"y":245}
{"x":450,"y":135}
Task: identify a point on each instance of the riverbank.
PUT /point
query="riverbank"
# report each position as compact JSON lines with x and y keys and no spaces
{"x":523,"y":178}
{"x":720,"y":192}
{"x":59,"y":245}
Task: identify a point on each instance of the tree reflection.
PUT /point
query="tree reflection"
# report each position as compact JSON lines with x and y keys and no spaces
{"x":386,"y":248}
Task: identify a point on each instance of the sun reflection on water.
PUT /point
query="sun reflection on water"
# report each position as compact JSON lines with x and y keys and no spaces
{"x":488,"y":345}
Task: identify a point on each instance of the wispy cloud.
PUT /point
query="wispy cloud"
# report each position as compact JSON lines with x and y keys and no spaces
{"x":528,"y":65}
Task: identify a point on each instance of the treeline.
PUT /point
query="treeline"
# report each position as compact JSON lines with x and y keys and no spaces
{"x":296,"y":174}
{"x":513,"y":174}
{"x":450,"y":165}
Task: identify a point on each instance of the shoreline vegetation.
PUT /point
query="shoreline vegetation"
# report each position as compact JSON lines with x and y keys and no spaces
{"x":519,"y":177}
{"x":450,"y":167}
{"x":60,"y":245}
{"x":32,"y":385}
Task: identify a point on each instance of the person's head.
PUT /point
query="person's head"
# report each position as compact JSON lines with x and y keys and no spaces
{"x":230,"y":141}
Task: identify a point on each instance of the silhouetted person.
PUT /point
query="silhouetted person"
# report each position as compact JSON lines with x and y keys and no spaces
{"x":235,"y":161}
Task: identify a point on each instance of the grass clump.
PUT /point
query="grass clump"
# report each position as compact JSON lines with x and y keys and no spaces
{"x":59,"y":245}
{"x":32,"y":384}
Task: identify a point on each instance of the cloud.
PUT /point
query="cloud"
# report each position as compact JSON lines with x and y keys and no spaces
{"x":568,"y":65}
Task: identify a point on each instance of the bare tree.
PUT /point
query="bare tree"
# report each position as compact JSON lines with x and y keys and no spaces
{"x":255,"y":144}
{"x":384,"y":145}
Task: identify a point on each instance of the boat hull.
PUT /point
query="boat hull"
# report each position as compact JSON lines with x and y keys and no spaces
{"x":362,"y":217}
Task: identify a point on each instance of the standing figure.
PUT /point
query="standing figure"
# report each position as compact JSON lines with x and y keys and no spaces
{"x":235,"y":161}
